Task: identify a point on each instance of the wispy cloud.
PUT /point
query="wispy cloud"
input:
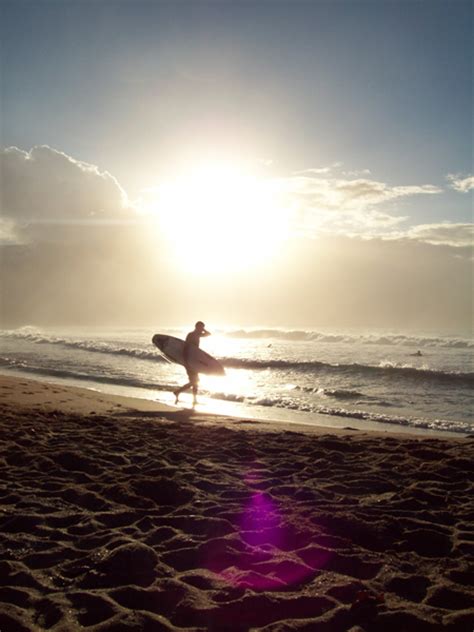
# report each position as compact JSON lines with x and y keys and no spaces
{"x":356,"y":173}
{"x":318,"y":170}
{"x":326,"y":202}
{"x":444,"y":234}
{"x":342,"y":194}
{"x":460,"y":183}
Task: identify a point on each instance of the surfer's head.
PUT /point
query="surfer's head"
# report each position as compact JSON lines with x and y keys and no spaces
{"x":200,"y":326}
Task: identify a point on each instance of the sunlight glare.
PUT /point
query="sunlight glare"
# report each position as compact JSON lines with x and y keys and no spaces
{"x":219,"y":219}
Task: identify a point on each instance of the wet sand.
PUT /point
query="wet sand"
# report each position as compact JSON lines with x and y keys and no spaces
{"x":118,"y":514}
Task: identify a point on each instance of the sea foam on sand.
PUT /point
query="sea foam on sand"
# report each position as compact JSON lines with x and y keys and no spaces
{"x":119,"y":515}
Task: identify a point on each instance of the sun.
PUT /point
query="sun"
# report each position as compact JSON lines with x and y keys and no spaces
{"x":218,"y":218}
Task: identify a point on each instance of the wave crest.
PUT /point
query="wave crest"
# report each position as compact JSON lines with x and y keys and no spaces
{"x":386,"y":368}
{"x":367,"y":339}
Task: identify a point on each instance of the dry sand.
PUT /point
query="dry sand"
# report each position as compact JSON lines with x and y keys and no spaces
{"x":121,"y":515}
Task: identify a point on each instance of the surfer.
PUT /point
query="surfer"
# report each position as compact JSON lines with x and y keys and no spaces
{"x":192,"y":338}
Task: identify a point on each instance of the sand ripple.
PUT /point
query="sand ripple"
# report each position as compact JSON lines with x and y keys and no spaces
{"x":137,"y":522}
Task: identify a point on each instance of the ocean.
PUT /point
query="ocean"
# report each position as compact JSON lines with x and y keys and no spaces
{"x":366,"y":380}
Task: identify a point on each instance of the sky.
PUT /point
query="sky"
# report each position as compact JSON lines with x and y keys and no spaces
{"x":256,"y":162}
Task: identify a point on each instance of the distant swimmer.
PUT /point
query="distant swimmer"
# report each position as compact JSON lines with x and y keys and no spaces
{"x":192,"y":339}
{"x":418,"y":354}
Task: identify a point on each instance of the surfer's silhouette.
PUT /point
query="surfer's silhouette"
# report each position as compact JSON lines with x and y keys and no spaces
{"x":192,"y":338}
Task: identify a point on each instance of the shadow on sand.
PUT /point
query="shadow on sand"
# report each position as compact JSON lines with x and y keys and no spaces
{"x":183,"y":414}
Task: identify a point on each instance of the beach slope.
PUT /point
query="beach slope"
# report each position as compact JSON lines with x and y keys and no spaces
{"x":121,"y":515}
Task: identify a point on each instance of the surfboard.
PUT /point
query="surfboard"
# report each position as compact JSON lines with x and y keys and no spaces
{"x":198,"y":360}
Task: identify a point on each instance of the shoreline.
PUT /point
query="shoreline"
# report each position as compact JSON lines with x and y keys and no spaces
{"x":47,"y":396}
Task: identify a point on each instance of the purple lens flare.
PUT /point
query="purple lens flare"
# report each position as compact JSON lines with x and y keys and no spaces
{"x":265,"y":553}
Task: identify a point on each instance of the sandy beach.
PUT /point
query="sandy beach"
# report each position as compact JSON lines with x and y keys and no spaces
{"x":119,"y":514}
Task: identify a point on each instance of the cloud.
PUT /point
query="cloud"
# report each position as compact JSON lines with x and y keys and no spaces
{"x":324,"y":204}
{"x":343,"y":194}
{"x":318,"y":170}
{"x":47,"y":185}
{"x":357,"y":173}
{"x":313,"y":170}
{"x":117,"y":275}
{"x":81,"y":252}
{"x":8,"y":232}
{"x":351,"y":206}
{"x":397,"y":283}
{"x":460,"y":183}
{"x":445,"y":234}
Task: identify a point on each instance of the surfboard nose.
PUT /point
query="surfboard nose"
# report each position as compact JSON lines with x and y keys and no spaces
{"x":157,"y":340}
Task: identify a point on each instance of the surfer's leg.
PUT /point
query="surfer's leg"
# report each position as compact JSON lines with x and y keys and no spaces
{"x":194,"y":382}
{"x":180,"y":390}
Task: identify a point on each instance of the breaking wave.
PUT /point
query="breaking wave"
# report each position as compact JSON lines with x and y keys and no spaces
{"x":413,"y":422}
{"x":384,"y":368}
{"x":312,"y":367}
{"x":369,"y":339}
{"x":92,"y":346}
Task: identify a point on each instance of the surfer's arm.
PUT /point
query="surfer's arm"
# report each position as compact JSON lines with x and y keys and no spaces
{"x":205,"y":333}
